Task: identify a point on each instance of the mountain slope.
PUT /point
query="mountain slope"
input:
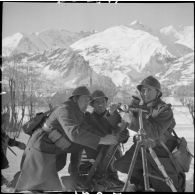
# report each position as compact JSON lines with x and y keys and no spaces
{"x":121,"y":50}
{"x":119,"y":56}
{"x":38,"y":42}
{"x":183,"y":36}
{"x":181,"y":72}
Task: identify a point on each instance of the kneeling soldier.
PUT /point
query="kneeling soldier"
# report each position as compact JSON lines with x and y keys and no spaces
{"x":158,"y":125}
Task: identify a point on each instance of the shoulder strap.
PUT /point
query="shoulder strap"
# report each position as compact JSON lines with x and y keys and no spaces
{"x":175,"y":134}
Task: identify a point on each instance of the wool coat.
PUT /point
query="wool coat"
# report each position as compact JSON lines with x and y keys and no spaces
{"x":105,"y":124}
{"x":158,"y":125}
{"x":39,"y":169}
{"x":5,"y":142}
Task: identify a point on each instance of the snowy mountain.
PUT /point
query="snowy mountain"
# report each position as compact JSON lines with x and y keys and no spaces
{"x":183,"y":36}
{"x":181,"y":72}
{"x":124,"y":54}
{"x":38,"y":42}
{"x":59,"y":69}
{"x":118,"y":56}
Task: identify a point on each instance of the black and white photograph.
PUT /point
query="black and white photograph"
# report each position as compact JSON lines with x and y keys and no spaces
{"x":97,"y":97}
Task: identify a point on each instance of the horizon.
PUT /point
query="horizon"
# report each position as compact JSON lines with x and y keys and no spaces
{"x":91,"y":16}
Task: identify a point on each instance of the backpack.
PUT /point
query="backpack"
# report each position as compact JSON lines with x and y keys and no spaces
{"x":36,"y":122}
{"x":182,"y":156}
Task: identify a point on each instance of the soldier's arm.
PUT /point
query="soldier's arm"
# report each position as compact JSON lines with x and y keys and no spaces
{"x":12,"y":142}
{"x":156,"y":125}
{"x":76,"y":131}
{"x":132,"y":120}
{"x":114,"y":119}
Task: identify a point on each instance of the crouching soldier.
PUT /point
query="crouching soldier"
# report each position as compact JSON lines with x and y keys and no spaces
{"x":64,"y":129}
{"x":106,"y":123}
{"x":158,"y":125}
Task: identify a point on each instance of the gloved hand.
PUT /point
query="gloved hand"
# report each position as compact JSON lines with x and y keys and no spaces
{"x":126,"y":117}
{"x":113,"y":107}
{"x":149,"y":142}
{"x":123,"y":136}
{"x":134,"y":101}
{"x":21,"y":145}
{"x":108,"y":140}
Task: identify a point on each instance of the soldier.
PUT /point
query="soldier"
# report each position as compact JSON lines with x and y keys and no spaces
{"x":64,"y":129}
{"x":6,"y":141}
{"x":158,"y":125}
{"x":106,"y":123}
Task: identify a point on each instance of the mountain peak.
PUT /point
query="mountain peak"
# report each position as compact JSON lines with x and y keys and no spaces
{"x":137,"y":25}
{"x":11,"y":42}
{"x":136,"y":22}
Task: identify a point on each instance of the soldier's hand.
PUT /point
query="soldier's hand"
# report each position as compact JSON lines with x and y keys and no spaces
{"x":122,"y":125}
{"x":112,"y":108}
{"x":22,"y":146}
{"x":108,"y":140}
{"x":149,"y":142}
{"x":126,"y":117}
{"x":123,"y":136}
{"x":135,"y":100}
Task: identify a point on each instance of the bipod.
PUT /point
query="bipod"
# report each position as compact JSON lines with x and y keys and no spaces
{"x":141,"y":144}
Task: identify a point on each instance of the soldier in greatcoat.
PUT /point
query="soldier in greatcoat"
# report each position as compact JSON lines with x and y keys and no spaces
{"x":64,"y":129}
{"x":158,"y":125}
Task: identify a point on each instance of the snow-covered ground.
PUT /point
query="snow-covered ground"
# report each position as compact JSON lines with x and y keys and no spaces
{"x":183,"y":128}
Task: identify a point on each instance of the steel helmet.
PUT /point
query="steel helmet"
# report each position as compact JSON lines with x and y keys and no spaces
{"x":150,"y":81}
{"x":98,"y":94}
{"x":82,"y":90}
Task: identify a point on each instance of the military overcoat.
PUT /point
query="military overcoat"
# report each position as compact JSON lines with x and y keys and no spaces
{"x":158,"y":125}
{"x":38,"y":170}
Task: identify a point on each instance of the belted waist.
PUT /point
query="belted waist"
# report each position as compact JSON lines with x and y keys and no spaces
{"x":56,"y":137}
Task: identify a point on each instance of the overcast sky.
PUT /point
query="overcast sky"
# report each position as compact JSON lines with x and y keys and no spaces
{"x":36,"y":17}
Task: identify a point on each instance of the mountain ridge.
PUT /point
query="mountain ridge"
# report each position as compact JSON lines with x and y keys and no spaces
{"x":119,"y":56}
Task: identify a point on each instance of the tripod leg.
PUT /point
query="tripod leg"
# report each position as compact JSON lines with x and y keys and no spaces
{"x":131,"y":166}
{"x":145,"y":168}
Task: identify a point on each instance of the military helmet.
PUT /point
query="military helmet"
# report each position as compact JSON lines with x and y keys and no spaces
{"x":150,"y":81}
{"x":98,"y":94}
{"x":82,"y":90}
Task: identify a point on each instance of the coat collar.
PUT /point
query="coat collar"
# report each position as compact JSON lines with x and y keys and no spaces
{"x":74,"y":105}
{"x":101,"y":115}
{"x":154,"y":103}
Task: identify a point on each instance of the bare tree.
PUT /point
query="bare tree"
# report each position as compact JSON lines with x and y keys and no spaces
{"x":16,"y":83}
{"x":185,"y":94}
{"x":189,"y":103}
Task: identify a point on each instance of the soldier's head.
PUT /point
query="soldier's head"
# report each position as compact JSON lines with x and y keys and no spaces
{"x":150,"y":89}
{"x":81,"y":96}
{"x":99,"y":101}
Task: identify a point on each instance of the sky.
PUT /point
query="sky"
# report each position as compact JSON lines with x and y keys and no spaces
{"x":31,"y":17}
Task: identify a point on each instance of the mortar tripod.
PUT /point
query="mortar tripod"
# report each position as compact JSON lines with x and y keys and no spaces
{"x":141,"y":144}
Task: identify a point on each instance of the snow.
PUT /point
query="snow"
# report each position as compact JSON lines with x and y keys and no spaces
{"x":184,"y":35}
{"x":184,"y":129}
{"x":180,"y":72}
{"x":187,"y":36}
{"x":120,"y":46}
{"x":9,"y":43}
{"x":51,"y":74}
{"x":117,"y":51}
